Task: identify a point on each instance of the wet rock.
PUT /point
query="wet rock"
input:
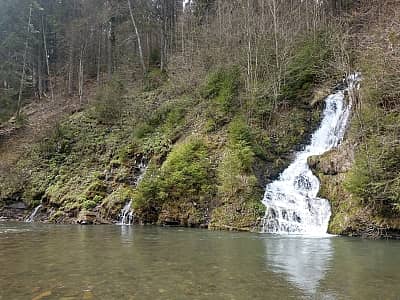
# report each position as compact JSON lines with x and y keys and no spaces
{"x":17,"y":205}
{"x":333,"y":162}
{"x":14,"y":211}
{"x":90,"y":218}
{"x":86,"y":218}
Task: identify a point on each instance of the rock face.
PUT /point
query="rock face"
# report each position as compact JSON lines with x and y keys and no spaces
{"x":349,"y":216}
{"x":333,"y":162}
{"x":90,"y":218}
{"x":15,"y":211}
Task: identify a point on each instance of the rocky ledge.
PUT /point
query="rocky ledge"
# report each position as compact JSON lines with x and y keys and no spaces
{"x":349,"y":217}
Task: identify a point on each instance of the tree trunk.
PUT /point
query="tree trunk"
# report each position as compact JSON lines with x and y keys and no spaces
{"x":164,"y":40}
{"x":39,"y":73}
{"x":99,"y":56}
{"x":80,"y":76}
{"x":71,"y":70}
{"x":138,"y":37}
{"x":110,"y":50}
{"x":47,"y":61}
{"x":21,"y":87}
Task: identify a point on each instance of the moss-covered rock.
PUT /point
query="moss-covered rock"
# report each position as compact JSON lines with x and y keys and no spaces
{"x":349,"y":215}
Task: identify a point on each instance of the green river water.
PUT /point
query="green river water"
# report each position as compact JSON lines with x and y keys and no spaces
{"x":39,"y":261}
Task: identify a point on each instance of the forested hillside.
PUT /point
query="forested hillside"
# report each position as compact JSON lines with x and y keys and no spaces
{"x":185,"y":111}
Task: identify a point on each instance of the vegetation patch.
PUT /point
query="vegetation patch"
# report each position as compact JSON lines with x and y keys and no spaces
{"x":186,"y":175}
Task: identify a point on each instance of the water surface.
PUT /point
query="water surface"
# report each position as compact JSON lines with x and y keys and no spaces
{"x":40,"y":261}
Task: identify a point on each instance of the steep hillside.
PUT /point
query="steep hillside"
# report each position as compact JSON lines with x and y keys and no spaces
{"x":207,"y":164}
{"x":192,"y":136}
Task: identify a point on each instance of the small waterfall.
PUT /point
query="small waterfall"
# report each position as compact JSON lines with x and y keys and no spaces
{"x":126,"y":216}
{"x":31,"y":218}
{"x":292,"y":205}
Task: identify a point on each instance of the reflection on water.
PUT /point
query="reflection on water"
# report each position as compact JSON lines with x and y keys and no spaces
{"x":148,"y":263}
{"x":303,"y":261}
{"x":126,"y":233}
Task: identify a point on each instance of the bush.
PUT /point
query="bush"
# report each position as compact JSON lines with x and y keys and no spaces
{"x":185,"y":175}
{"x":108,"y":101}
{"x":375,"y":177}
{"x":307,"y":68}
{"x":57,"y":144}
{"x":8,"y":104}
{"x":238,"y":132}
{"x":236,"y":179}
{"x":222,"y":87}
{"x":154,"y":79}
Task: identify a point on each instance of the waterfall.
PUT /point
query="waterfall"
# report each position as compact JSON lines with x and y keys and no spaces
{"x":292,"y":205}
{"x":126,"y":216}
{"x":32,"y":216}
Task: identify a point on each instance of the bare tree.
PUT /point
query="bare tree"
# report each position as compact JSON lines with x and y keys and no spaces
{"x":21,"y":87}
{"x":137,"y":37}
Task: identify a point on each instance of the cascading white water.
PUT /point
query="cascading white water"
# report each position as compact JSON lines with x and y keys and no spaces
{"x":292,"y":205}
{"x":32,"y":216}
{"x":126,"y":216}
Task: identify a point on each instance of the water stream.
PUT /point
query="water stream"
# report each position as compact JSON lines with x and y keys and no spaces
{"x":32,"y":216}
{"x":292,"y":205}
{"x":126,"y":216}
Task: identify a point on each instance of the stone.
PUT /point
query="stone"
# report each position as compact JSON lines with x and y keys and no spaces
{"x":86,"y":218}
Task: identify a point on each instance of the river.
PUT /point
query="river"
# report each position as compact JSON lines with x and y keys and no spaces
{"x":40,"y":261}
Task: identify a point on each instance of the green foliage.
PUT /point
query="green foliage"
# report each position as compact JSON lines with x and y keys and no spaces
{"x":155,"y":135}
{"x":307,"y":68}
{"x":96,"y":190}
{"x":185,"y":175}
{"x":238,"y":190}
{"x":89,"y":204}
{"x":108,"y":101}
{"x":57,"y":145}
{"x":375,"y":177}
{"x":222,"y":88}
{"x":8,"y":104}
{"x":154,"y":78}
{"x":235,"y":171}
{"x":239,"y":132}
{"x":155,"y":57}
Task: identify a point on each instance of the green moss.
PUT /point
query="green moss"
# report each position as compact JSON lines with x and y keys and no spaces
{"x":185,"y":175}
{"x":238,"y":191}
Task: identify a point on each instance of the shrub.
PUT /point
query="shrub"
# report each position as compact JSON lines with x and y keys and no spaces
{"x":8,"y":104}
{"x":222,"y":87}
{"x":108,"y":101}
{"x":375,"y":178}
{"x":307,"y":68}
{"x":238,"y":131}
{"x":154,"y":79}
{"x":185,"y":175}
{"x":236,"y":179}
